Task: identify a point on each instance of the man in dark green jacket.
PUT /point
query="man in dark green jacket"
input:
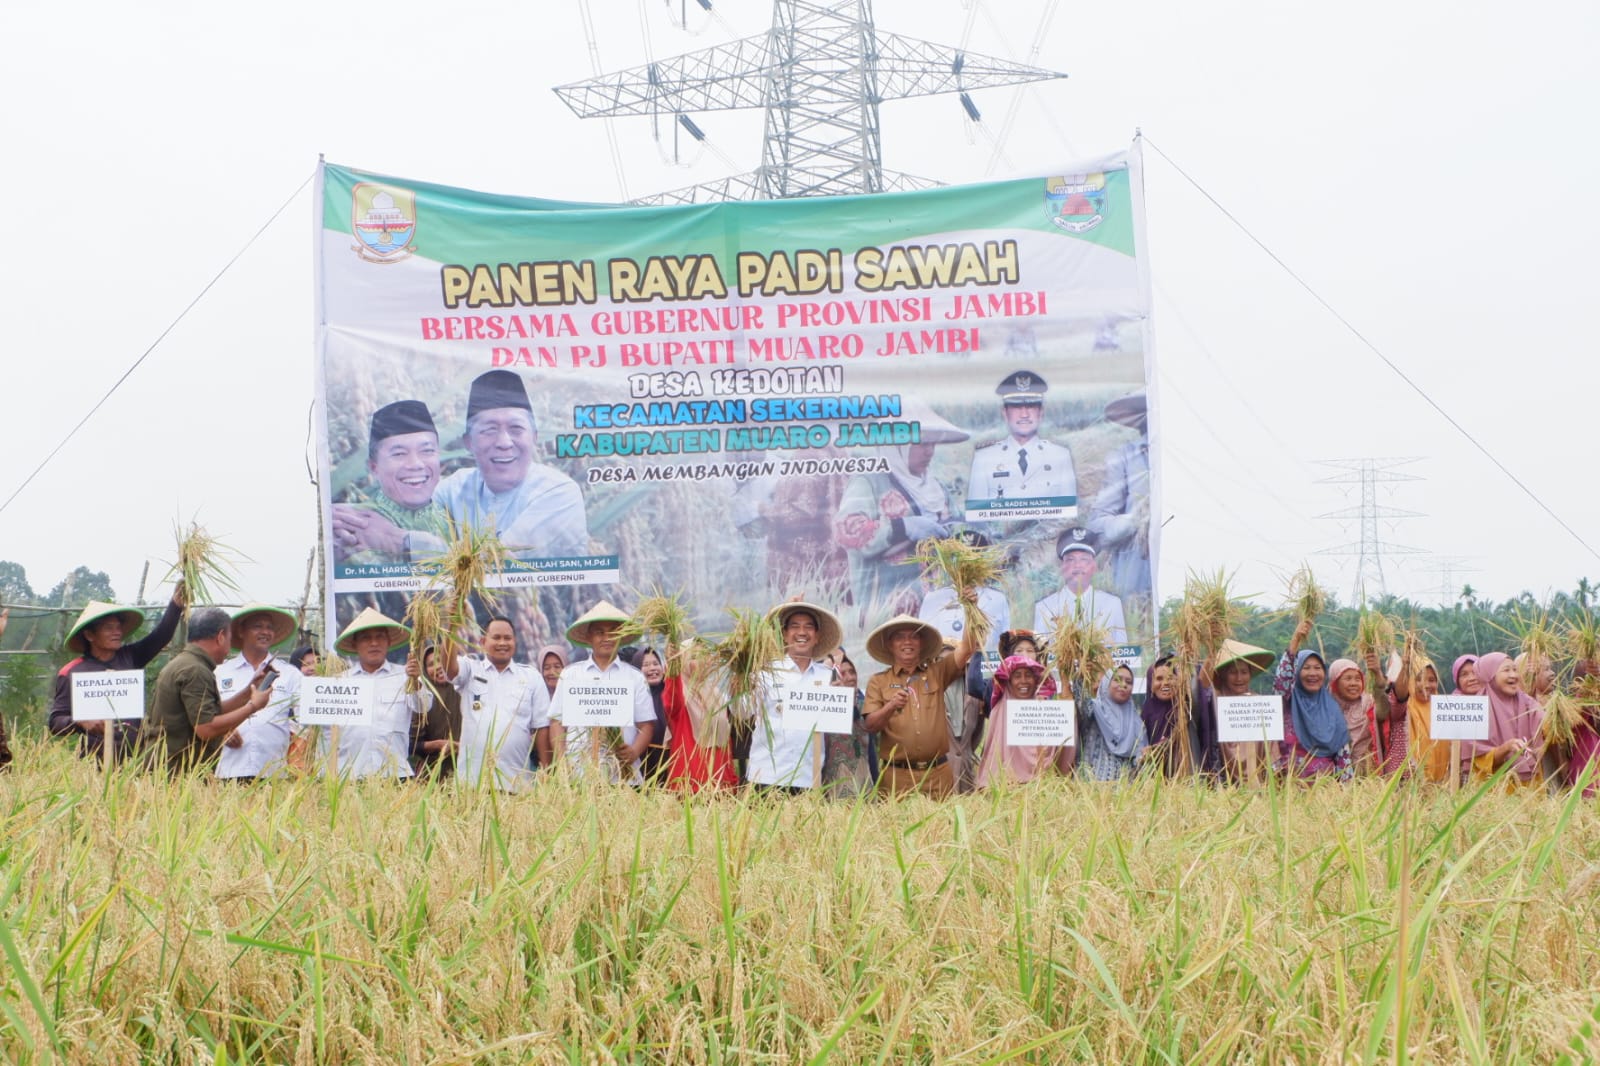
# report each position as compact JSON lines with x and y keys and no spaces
{"x":187,"y":719}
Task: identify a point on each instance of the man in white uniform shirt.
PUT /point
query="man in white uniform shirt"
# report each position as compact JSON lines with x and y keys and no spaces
{"x":258,"y":747}
{"x":381,"y":747}
{"x":504,"y":706}
{"x":782,"y":759}
{"x":586,"y":748}
{"x":1022,"y":465}
{"x":1075,"y":548}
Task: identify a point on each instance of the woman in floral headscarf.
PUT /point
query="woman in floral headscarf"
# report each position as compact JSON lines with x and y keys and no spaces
{"x":1018,"y":677}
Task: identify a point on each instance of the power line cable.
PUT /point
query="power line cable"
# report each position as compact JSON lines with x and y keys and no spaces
{"x":1390,"y":363}
{"x":155,"y":343}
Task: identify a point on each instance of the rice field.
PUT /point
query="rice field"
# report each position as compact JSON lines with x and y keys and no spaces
{"x":312,"y":922}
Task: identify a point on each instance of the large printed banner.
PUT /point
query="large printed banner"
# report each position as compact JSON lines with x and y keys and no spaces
{"x":741,"y":402}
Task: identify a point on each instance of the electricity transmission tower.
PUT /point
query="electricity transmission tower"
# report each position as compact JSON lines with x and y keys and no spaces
{"x":819,"y":73}
{"x":1371,"y":548}
{"x":1450,"y":568}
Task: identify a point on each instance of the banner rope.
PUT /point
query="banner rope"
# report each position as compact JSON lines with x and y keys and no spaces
{"x":1390,"y":363}
{"x":156,"y":343}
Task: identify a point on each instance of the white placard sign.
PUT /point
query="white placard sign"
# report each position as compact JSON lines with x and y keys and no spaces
{"x":107,"y":695}
{"x":587,"y":703}
{"x":824,"y":708}
{"x":1242,"y":719}
{"x":346,"y":700}
{"x":1047,"y":723}
{"x":1458,"y":717}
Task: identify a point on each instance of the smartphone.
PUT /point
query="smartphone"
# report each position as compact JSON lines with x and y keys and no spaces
{"x":266,"y":680}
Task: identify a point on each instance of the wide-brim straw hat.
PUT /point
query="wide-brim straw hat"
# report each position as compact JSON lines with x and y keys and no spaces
{"x":878,"y":639}
{"x":830,"y":634}
{"x":1128,"y":411}
{"x":604,"y":611}
{"x":283,"y":623}
{"x":369,"y":618}
{"x":1260,"y":659}
{"x":132,"y":619}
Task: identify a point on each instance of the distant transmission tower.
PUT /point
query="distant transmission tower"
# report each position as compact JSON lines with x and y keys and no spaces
{"x":820,"y":73}
{"x":1371,"y":548}
{"x":1450,"y":569}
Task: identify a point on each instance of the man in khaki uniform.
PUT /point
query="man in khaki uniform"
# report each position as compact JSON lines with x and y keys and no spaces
{"x":905,"y":704}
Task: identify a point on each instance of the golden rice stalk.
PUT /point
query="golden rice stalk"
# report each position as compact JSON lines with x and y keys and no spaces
{"x":1306,"y":597}
{"x":1540,"y":644}
{"x":1081,"y":650}
{"x":1376,"y":633}
{"x":1205,"y":618}
{"x":1581,"y":638}
{"x":1563,"y":714}
{"x":967,"y":569}
{"x":666,"y":617}
{"x":745,"y":653}
{"x":1586,"y":691}
{"x":425,"y":618}
{"x":204,"y":566}
{"x":471,"y":556}
{"x":1413,"y":654}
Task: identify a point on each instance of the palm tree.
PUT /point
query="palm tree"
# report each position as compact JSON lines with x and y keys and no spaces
{"x":1584,"y":592}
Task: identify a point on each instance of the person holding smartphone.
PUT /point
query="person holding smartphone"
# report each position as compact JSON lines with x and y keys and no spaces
{"x":259,"y":747}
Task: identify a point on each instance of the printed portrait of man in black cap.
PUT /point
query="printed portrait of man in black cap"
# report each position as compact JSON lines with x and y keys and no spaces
{"x":403,"y":464}
{"x":1023,"y":465}
{"x":538,"y":511}
{"x":1077,"y":552}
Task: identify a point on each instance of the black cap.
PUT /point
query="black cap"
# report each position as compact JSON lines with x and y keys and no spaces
{"x":497,"y":388}
{"x":972,"y":538}
{"x":402,"y":416}
{"x":1022,"y":386}
{"x":1076,"y":539}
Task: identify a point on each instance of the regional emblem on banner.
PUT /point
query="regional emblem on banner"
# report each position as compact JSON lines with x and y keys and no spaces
{"x":1075,"y":202}
{"x":384,"y":219}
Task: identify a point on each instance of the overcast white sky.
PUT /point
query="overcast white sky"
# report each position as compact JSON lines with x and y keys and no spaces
{"x":1429,"y":167}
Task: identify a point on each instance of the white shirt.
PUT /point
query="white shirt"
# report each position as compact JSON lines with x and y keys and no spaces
{"x":384,"y":747}
{"x":582,"y":741}
{"x":542,"y":517}
{"x":500,"y":709}
{"x":1106,"y":608}
{"x":942,"y":609}
{"x":266,"y":733}
{"x":997,"y":471}
{"x":780,"y":756}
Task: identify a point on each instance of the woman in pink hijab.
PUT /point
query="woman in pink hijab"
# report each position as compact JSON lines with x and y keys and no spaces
{"x":1018,"y":677}
{"x":1514,"y":721}
{"x":1348,"y":683}
{"x":1585,"y":737}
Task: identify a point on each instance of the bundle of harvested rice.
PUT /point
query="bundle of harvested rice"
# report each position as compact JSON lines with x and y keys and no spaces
{"x":965,"y":568}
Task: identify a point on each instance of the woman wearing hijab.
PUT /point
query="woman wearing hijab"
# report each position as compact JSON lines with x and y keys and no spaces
{"x":653,"y":764}
{"x":1160,"y":715}
{"x":1111,"y":731}
{"x":1585,"y":736}
{"x":883,"y":516}
{"x":1018,"y":677}
{"x":1416,"y":689}
{"x":551,"y":660}
{"x":1466,"y":681}
{"x":1316,"y":738}
{"x":847,"y":758}
{"x":697,"y":752}
{"x":1364,"y":713}
{"x":1514,"y":721}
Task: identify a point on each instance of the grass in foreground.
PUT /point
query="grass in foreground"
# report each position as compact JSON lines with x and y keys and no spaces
{"x":310,"y":922}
